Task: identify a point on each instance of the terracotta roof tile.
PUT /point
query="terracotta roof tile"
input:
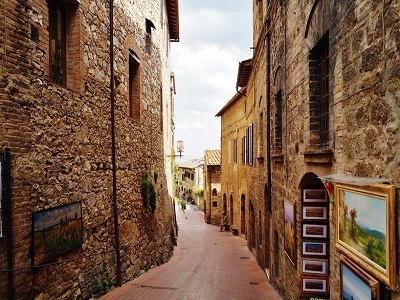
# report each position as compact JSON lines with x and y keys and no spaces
{"x":212,"y":157}
{"x":192,"y":164}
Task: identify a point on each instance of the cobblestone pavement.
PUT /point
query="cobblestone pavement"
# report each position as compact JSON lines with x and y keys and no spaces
{"x":206,"y":264}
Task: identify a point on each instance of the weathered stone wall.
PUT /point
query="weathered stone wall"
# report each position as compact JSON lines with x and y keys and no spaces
{"x":364,"y":73}
{"x":261,"y":234}
{"x":366,"y":77}
{"x":364,"y":119}
{"x":60,"y":140}
{"x":236,"y":177}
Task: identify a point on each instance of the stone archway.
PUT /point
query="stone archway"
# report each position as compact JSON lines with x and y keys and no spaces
{"x":224,"y":204}
{"x":231,"y":209}
{"x":243,"y":214}
{"x":252,"y":223}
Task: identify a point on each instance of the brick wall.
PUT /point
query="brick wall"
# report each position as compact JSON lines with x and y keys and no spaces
{"x":60,"y":140}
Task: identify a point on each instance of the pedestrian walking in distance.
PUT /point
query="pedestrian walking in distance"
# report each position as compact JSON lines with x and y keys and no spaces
{"x":183,"y":204}
{"x":224,"y":221}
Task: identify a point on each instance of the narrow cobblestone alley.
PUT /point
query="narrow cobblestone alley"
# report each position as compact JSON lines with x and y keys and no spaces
{"x":207,"y":264}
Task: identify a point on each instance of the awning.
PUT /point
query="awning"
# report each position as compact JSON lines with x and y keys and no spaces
{"x":350,"y":179}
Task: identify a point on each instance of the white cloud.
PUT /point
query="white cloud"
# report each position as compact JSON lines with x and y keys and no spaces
{"x":215,"y":37}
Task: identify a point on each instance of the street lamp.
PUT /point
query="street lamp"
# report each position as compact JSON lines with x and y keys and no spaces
{"x":179,"y":147}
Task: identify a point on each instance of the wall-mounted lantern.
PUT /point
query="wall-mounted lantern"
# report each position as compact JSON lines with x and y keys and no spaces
{"x":180,"y":148}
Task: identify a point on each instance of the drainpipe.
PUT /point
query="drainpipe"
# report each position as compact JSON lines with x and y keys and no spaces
{"x":269,"y":178}
{"x":8,"y":223}
{"x":113,"y":156}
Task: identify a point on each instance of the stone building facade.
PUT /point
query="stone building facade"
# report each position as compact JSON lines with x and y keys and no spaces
{"x":213,"y":207}
{"x":327,"y":114}
{"x":69,"y":143}
{"x":237,"y":186}
{"x":192,"y":177}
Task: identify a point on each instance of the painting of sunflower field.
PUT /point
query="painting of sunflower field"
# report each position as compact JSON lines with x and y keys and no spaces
{"x":56,"y":231}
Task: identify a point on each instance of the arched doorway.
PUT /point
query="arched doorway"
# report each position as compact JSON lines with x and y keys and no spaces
{"x":314,"y":197}
{"x":231,"y":209}
{"x":243,"y":215}
{"x":224,"y":204}
{"x":267,"y":239}
{"x":252,"y":222}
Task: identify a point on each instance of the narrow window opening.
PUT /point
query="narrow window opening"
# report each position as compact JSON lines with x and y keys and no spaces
{"x":319,"y":93}
{"x":149,"y":26}
{"x":278,"y":122}
{"x":276,"y":254}
{"x":235,"y":151}
{"x":134,"y":86}
{"x":261,"y":135}
{"x":34,"y":34}
{"x":57,"y":42}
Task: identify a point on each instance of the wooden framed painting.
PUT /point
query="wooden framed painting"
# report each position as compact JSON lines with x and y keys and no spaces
{"x":314,"y":284}
{"x":315,"y":196}
{"x":289,"y":233}
{"x":315,"y":213}
{"x":313,"y":266}
{"x":314,"y":231}
{"x":1,"y":195}
{"x":356,"y":284}
{"x":365,"y":232}
{"x":56,"y":231}
{"x":310,"y":248}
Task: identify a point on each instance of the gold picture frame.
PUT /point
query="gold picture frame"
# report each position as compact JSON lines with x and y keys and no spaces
{"x":365,"y":229}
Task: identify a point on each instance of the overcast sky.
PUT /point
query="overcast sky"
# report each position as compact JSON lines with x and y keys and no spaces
{"x":215,"y":35}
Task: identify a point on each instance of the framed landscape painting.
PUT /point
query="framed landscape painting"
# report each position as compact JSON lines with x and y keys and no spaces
{"x":1,"y":196}
{"x":356,"y":284}
{"x":55,"y":231}
{"x":314,"y":284}
{"x":290,"y":242}
{"x":315,"y":196}
{"x":314,"y":249}
{"x":365,"y":232}
{"x":314,"y":266}
{"x":317,"y":213}
{"x":314,"y":231}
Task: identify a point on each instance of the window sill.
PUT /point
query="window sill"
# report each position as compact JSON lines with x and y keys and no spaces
{"x":319,"y":156}
{"x":278,"y":157}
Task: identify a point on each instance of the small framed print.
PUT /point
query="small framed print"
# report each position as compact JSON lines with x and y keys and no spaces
{"x":313,"y":248}
{"x":315,"y":196}
{"x":314,"y":231}
{"x":314,"y":284}
{"x":314,"y":266}
{"x":318,"y":213}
